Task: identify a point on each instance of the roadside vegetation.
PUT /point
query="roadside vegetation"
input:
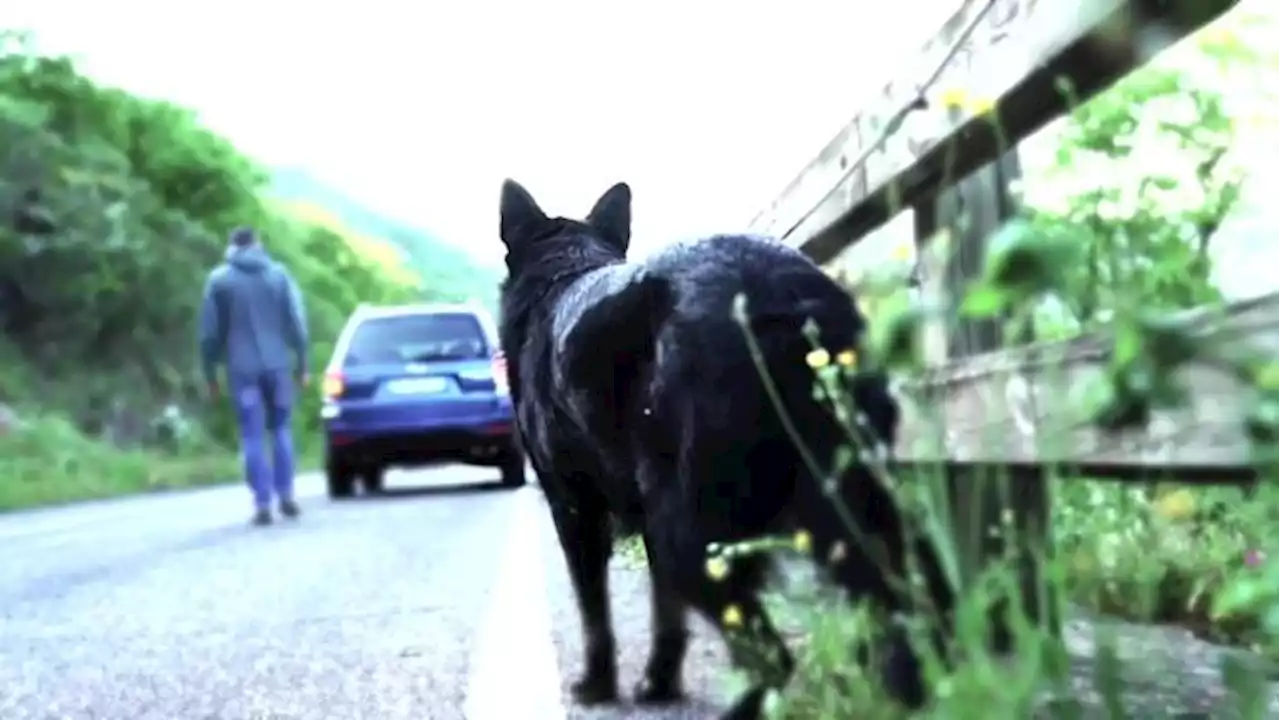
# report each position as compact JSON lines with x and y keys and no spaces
{"x":113,"y":208}
{"x":1113,"y":237}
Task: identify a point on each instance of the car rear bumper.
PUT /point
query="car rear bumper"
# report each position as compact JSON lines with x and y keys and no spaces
{"x":488,"y":439}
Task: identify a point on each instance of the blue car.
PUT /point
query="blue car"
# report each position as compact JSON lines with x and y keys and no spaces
{"x":416,"y":385}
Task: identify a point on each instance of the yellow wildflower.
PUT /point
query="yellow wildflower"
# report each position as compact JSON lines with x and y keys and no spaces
{"x":1219,"y":35}
{"x":1177,"y":505}
{"x":732,"y":616}
{"x":802,"y":541}
{"x":958,"y":99}
{"x":717,"y":568}
{"x":818,"y":358}
{"x":980,"y":106}
{"x":1268,"y":376}
{"x":847,"y":358}
{"x":902,"y":252}
{"x":953,"y":98}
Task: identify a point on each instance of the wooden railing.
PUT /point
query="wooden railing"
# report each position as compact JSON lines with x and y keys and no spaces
{"x":981,"y":411}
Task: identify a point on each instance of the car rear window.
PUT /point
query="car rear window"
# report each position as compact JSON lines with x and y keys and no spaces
{"x":416,"y":338}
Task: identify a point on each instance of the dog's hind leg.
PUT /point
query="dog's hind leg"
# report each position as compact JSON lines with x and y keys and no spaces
{"x":670,"y":635}
{"x":586,"y":539}
{"x":755,"y":646}
{"x":865,"y":569}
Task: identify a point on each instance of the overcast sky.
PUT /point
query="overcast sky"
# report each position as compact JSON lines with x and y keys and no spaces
{"x":420,"y":108}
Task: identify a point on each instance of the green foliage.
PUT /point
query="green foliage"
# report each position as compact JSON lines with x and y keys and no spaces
{"x":1142,"y":179}
{"x":1188,"y":556}
{"x":48,"y":460}
{"x":142,"y":197}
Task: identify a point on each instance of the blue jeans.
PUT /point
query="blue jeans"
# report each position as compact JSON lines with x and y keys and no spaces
{"x":264,"y":407}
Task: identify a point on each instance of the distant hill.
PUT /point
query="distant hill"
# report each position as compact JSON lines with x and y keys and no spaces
{"x":448,"y":272}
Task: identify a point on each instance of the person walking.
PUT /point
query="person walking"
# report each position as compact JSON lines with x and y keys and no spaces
{"x":252,"y":320}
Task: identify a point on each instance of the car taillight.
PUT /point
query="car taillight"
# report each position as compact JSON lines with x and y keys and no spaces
{"x":499,"y":365}
{"x":332,"y":386}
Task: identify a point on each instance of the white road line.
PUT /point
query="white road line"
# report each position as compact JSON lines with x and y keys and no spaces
{"x":514,"y":671}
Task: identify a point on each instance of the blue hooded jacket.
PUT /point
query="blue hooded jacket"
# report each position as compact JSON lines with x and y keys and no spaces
{"x":252,"y":317}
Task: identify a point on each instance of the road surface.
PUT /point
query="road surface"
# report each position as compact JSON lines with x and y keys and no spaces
{"x":449,"y":602}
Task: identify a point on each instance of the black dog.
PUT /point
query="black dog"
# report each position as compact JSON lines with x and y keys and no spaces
{"x":637,"y":398}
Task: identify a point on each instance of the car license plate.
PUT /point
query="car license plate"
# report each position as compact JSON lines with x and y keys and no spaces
{"x":418,"y":386}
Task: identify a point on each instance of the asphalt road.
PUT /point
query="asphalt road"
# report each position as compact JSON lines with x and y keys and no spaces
{"x":451,"y":602}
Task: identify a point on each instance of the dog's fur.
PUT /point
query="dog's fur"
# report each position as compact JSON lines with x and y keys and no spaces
{"x":637,"y":398}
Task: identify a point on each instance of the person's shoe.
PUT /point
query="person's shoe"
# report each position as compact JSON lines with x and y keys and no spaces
{"x":261,"y":518}
{"x":290,"y":509}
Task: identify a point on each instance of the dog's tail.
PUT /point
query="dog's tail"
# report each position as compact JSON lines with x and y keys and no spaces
{"x":613,"y":340}
{"x":620,"y":329}
{"x":607,"y":353}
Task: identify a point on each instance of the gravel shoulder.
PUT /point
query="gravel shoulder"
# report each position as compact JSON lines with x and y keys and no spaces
{"x":1168,"y":671}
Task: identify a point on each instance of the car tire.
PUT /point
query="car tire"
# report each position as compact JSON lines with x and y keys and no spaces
{"x":340,"y":479}
{"x":373,"y":480}
{"x":513,"y":475}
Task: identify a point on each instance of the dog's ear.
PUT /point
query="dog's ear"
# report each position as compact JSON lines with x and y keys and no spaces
{"x":611,"y":216}
{"x":521,"y":216}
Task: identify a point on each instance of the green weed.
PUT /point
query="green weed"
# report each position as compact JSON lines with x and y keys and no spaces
{"x":46,"y":460}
